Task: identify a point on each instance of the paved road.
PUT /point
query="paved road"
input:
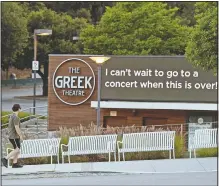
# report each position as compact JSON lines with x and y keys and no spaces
{"x":8,"y":99}
{"x":204,"y":178}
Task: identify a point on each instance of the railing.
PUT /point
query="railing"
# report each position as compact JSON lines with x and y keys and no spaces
{"x":18,"y":82}
{"x":30,"y":110}
{"x":29,"y":118}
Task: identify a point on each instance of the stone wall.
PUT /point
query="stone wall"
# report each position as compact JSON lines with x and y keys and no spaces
{"x":5,"y":141}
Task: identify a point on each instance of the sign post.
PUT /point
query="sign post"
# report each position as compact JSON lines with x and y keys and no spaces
{"x":35,"y":67}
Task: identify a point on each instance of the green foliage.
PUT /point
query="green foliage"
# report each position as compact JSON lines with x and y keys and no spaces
{"x":92,"y":11}
{"x":13,"y":31}
{"x":211,"y":152}
{"x":202,"y":46}
{"x":24,"y":116}
{"x":179,"y":146}
{"x":42,"y":117}
{"x":136,"y":28}
{"x":4,"y":120}
{"x":64,"y":140}
{"x":63,"y":26}
{"x":4,"y":113}
{"x":186,"y":10}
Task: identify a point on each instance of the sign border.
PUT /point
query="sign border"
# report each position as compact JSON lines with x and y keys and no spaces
{"x":54,"y":81}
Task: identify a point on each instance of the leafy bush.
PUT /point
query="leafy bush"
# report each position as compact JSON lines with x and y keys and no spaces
{"x":22,"y":115}
{"x":179,"y":146}
{"x":210,"y":152}
{"x":4,"y":120}
{"x":5,"y":113}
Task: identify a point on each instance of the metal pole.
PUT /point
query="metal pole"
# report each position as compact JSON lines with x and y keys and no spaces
{"x":34,"y":87}
{"x":98,"y":96}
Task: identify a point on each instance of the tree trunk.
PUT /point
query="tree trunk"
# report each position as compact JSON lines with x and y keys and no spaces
{"x":44,"y":78}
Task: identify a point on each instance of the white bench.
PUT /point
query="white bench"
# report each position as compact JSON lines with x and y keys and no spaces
{"x":147,"y":141}
{"x":84,"y":145}
{"x":39,"y":148}
{"x":203,"y":138}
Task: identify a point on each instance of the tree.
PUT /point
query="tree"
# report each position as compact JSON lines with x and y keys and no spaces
{"x":63,"y":29}
{"x":136,"y":28}
{"x":14,"y":33}
{"x":94,"y":10}
{"x":202,"y":45}
{"x":186,"y":10}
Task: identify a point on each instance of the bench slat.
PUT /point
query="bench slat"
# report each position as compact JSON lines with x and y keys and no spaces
{"x":204,"y":138}
{"x":84,"y":145}
{"x":40,"y":148}
{"x":147,"y":141}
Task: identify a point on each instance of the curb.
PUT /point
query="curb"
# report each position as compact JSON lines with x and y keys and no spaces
{"x":133,"y":167}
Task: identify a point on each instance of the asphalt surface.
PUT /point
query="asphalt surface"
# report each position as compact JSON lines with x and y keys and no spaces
{"x":201,"y":178}
{"x":8,"y":99}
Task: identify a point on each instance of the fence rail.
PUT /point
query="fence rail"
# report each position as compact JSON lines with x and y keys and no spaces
{"x":19,"y":82}
{"x":26,"y":109}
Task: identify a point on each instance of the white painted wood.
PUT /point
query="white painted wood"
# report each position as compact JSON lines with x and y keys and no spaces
{"x":83,"y":145}
{"x":203,"y":138}
{"x":39,"y":148}
{"x":147,"y":141}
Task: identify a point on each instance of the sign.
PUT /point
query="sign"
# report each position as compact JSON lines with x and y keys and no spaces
{"x":35,"y":65}
{"x":156,"y":78}
{"x":200,"y":120}
{"x":73,"y":81}
{"x":113,"y":113}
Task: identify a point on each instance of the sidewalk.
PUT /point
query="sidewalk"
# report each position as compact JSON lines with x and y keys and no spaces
{"x":145,"y":166}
